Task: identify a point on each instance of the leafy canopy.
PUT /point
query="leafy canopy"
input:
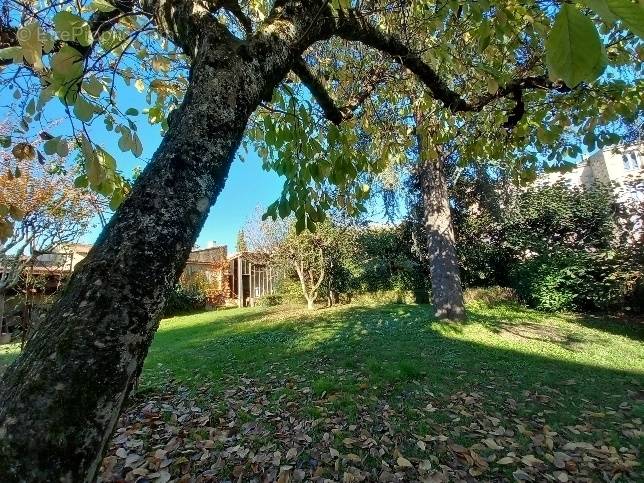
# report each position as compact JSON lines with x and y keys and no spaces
{"x":73,"y":59}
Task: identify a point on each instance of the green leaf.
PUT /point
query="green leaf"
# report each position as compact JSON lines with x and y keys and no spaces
{"x":125,"y":141}
{"x":574,"y":52}
{"x":92,"y":165}
{"x":31,"y":107}
{"x":93,"y":87}
{"x":484,"y":34}
{"x":630,"y":13}
{"x":492,"y":85}
{"x":107,"y":161}
{"x":117,"y":199}
{"x":270,"y":212}
{"x":30,"y":38}
{"x":102,"y":6}
{"x":300,"y":225}
{"x":113,"y":41}
{"x":67,"y":70}
{"x":51,"y":146}
{"x":67,"y":63}
{"x":81,"y":181}
{"x":63,"y":148}
{"x":137,"y":147}
{"x":13,"y":53}
{"x":601,"y":8}
{"x":83,"y":110}
{"x":72,"y":28}
{"x":283,"y":208}
{"x":132,"y":112}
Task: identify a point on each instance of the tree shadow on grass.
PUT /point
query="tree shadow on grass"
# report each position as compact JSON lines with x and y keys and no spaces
{"x":395,"y":345}
{"x":630,"y":326}
{"x":517,"y":323}
{"x":625,"y":326}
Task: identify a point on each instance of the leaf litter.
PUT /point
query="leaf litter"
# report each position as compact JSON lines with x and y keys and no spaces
{"x":279,"y":429}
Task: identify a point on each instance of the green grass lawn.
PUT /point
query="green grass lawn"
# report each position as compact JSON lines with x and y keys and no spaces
{"x":368,"y":393}
{"x":395,"y":345}
{"x":8,"y":352}
{"x":451,"y":399}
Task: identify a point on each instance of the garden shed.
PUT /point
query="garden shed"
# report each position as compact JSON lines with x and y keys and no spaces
{"x":250,"y":278}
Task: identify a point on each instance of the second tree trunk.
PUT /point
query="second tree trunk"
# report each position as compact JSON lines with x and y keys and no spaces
{"x":447,"y":291}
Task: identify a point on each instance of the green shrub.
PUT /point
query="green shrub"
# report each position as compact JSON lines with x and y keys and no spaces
{"x":559,"y":247}
{"x":575,"y":280}
{"x":183,"y":301}
{"x":385,"y":262}
{"x":491,"y":295}
{"x":289,"y":290}
{"x":269,"y":300}
{"x":395,"y":296}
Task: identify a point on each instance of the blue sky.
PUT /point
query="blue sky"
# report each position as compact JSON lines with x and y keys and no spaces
{"x":248,"y":185}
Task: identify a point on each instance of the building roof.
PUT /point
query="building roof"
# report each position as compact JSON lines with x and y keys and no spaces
{"x":210,"y":254}
{"x":216,"y":247}
{"x":75,"y":248}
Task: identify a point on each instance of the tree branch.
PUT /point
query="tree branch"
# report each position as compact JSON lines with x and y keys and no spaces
{"x":313,"y":84}
{"x":351,"y":26}
{"x":330,"y":108}
{"x":99,"y":22}
{"x":233,"y":7}
{"x":186,"y":22}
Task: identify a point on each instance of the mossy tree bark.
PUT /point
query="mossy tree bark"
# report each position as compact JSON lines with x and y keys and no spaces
{"x":3,"y":298}
{"x":447,"y":291}
{"x":59,"y":402}
{"x":61,"y":399}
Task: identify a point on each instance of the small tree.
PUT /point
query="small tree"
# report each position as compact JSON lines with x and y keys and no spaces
{"x":307,"y":254}
{"x":241,"y":245}
{"x":316,"y":258}
{"x":48,"y":212}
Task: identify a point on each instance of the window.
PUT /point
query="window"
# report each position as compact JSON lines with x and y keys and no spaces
{"x":630,"y":161}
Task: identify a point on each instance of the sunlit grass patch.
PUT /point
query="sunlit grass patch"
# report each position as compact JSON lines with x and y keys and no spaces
{"x":8,"y":352}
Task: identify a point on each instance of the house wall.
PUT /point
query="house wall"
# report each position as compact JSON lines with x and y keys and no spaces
{"x":63,"y":259}
{"x":208,"y":268}
{"x":608,"y":167}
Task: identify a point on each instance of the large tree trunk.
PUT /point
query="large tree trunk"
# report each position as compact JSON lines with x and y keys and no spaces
{"x":447,"y":291}
{"x":2,"y":310}
{"x":60,"y":400}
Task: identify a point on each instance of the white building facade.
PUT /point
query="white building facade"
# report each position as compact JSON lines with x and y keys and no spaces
{"x":621,"y":167}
